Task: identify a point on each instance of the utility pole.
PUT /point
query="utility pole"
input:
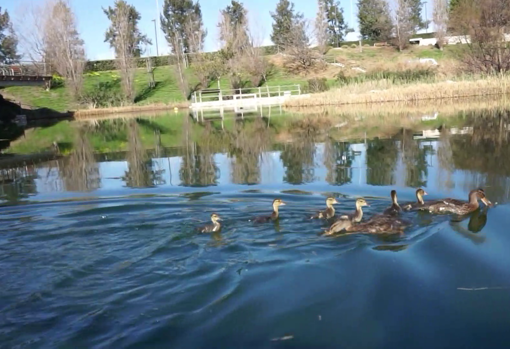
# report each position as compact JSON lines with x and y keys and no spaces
{"x":158,"y":16}
{"x":156,"y":35}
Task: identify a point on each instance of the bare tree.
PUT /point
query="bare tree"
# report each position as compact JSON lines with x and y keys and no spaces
{"x":485,"y":23}
{"x":404,"y":25}
{"x":179,"y":68}
{"x":63,"y":46}
{"x":300,"y":57}
{"x":440,"y":17}
{"x":203,"y":67}
{"x":29,"y":25}
{"x":321,"y":27}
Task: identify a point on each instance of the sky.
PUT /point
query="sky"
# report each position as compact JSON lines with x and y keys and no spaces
{"x":92,"y":22}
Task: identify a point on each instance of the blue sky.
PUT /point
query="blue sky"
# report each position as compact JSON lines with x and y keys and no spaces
{"x":92,"y":22}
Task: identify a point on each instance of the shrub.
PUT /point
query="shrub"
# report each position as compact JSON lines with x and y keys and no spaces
{"x":57,"y":81}
{"x":345,"y":46}
{"x":104,"y":94}
{"x":317,"y":85}
{"x":354,"y":45}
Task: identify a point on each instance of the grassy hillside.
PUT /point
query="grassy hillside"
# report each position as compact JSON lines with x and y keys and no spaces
{"x":167,"y":91}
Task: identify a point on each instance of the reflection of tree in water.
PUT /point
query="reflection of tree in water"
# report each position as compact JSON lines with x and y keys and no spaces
{"x":247,"y":143}
{"x":17,"y":183}
{"x":298,"y":156}
{"x":198,"y":167}
{"x":338,"y":161}
{"x":382,"y":157}
{"x":80,"y":171}
{"x":444,"y":157}
{"x":140,"y":171}
{"x":414,"y":158}
{"x":485,"y":153}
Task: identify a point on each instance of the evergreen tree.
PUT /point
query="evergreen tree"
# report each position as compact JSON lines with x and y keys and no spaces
{"x":284,"y":20}
{"x":8,"y":40}
{"x":133,"y":37}
{"x":235,"y":32}
{"x":374,"y":20}
{"x":415,"y":7}
{"x":183,"y":18}
{"x":453,"y":5}
{"x":337,"y":28}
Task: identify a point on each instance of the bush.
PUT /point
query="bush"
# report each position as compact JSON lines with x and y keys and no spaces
{"x":104,"y":94}
{"x":317,"y":85}
{"x":345,"y":46}
{"x":354,"y":45}
{"x":396,"y":77}
{"x":57,"y":81}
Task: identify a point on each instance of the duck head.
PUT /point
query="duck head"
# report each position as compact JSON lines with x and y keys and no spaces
{"x":361,"y":202}
{"x":215,"y":218}
{"x":419,"y":195}
{"x":394,"y":197}
{"x":277,"y":203}
{"x":331,"y":201}
{"x":480,"y":194}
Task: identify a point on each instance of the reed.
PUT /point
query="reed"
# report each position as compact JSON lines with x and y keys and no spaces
{"x":383,"y":91}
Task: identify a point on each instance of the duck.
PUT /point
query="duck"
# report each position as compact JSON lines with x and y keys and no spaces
{"x":419,"y":201}
{"x":381,"y":224}
{"x":329,"y":212}
{"x":458,"y":207}
{"x":395,"y":208}
{"x":346,"y":221}
{"x":274,"y":216}
{"x":214,"y":227}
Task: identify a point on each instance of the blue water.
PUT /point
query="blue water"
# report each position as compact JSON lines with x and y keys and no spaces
{"x":100,"y":262}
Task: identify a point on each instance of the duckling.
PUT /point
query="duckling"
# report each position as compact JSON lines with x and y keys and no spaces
{"x":458,"y":206}
{"x":395,"y":208}
{"x":419,"y":201}
{"x":214,"y":227}
{"x":346,"y":221}
{"x":381,"y":224}
{"x":274,"y":216}
{"x":328,"y":212}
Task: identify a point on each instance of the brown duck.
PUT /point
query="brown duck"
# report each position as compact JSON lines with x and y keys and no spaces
{"x":395,"y":208}
{"x":458,"y":206}
{"x":214,"y":227}
{"x":274,"y":216}
{"x":328,"y":212}
{"x":411,"y":206}
{"x":346,"y":221}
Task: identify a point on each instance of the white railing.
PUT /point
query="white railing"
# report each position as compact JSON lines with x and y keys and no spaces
{"x":24,"y":69}
{"x":242,"y":94}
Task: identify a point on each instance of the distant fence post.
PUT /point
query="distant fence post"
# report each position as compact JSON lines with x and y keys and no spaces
{"x":299,"y":89}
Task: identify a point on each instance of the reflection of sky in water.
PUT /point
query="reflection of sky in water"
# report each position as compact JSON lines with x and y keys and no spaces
{"x":272,"y":173}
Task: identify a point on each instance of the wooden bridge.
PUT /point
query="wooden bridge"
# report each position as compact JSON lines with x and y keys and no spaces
{"x":24,"y":74}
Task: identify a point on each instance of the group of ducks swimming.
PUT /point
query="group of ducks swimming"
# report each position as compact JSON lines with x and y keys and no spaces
{"x":387,"y":222}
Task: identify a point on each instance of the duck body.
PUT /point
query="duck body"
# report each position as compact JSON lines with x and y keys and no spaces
{"x":455,"y":206}
{"x":214,"y":227}
{"x":380,"y":224}
{"x":329,"y":212}
{"x":274,"y":216}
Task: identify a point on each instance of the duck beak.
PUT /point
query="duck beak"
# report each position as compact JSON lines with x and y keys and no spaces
{"x":425,"y":193}
{"x":282,"y":203}
{"x":486,"y":202}
{"x":335,"y":202}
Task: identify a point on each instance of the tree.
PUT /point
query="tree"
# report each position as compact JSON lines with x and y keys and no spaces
{"x":485,"y":23}
{"x":8,"y":40}
{"x":183,"y":18}
{"x":440,"y":17}
{"x":125,"y":16}
{"x":453,"y":5}
{"x":321,"y":27}
{"x":300,"y":57}
{"x":415,"y":9}
{"x":404,"y":23}
{"x":284,"y":19}
{"x":337,"y":28}
{"x":233,"y":27}
{"x":374,"y":20}
{"x":125,"y":38}
{"x":63,"y":46}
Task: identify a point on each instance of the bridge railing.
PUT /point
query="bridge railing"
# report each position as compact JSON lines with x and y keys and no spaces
{"x":24,"y":69}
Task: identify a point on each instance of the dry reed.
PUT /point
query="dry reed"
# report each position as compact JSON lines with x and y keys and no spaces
{"x":80,"y":114}
{"x":383,"y":91}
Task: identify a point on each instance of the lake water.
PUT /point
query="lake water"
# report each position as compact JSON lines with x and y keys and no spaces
{"x":100,"y":250}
